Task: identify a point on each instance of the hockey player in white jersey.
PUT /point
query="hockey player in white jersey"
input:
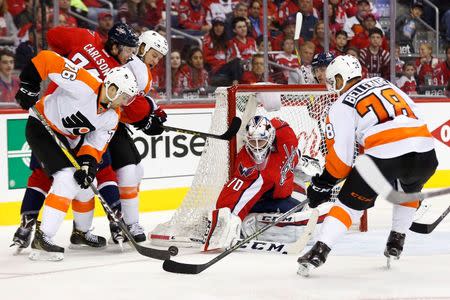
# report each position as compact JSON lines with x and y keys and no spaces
{"x":125,"y":157}
{"x":84,"y":112}
{"x":388,"y":125}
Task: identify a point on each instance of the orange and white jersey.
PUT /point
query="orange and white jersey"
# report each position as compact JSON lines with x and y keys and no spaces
{"x":73,"y":108}
{"x":379,"y":117}
{"x":142,"y":73}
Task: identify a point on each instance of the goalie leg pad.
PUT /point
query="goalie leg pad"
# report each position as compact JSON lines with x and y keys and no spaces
{"x":223,"y":228}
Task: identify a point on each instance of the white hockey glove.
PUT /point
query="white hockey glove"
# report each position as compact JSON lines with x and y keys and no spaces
{"x":223,"y":228}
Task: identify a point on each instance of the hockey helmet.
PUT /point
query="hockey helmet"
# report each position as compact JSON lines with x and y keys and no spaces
{"x":345,"y":65}
{"x":123,"y":34}
{"x":322,"y":59}
{"x":258,"y":139}
{"x":126,"y":84}
{"x":153,"y":40}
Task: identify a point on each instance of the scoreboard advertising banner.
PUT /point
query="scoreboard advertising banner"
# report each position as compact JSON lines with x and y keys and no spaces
{"x":170,"y":160}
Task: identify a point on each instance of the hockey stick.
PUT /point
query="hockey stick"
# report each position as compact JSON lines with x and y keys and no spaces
{"x":145,"y":251}
{"x":298,"y":29}
{"x":375,"y":179}
{"x":184,"y":268}
{"x":228,"y":135}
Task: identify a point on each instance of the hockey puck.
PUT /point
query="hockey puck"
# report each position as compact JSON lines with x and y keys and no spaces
{"x":173,"y":250}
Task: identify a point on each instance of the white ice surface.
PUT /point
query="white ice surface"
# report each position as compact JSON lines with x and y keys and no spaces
{"x":355,"y":269}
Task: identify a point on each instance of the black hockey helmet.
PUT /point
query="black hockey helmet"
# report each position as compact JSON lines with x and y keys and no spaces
{"x":123,"y":34}
{"x":322,"y":59}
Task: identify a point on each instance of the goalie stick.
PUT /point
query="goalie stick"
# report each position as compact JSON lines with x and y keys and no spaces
{"x":145,"y":251}
{"x":376,"y":180}
{"x":298,"y":29}
{"x":185,"y":268}
{"x":228,"y":135}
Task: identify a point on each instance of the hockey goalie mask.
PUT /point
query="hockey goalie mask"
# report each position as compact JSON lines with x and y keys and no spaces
{"x":345,"y":65}
{"x":125,"y":82}
{"x":258,"y":139}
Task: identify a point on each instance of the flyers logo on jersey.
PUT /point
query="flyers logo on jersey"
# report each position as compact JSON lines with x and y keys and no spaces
{"x":79,"y":124}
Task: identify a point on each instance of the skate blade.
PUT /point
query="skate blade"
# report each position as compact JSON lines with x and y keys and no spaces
{"x":84,"y":247}
{"x":40,"y":255}
{"x":17,"y":249}
{"x":304,"y":269}
{"x":388,"y":262}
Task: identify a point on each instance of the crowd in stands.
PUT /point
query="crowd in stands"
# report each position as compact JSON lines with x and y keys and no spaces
{"x":232,"y":39}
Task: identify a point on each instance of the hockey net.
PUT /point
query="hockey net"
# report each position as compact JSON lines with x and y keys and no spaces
{"x":304,"y":107}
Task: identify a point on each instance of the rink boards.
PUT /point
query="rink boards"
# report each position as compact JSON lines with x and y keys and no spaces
{"x":170,"y":160}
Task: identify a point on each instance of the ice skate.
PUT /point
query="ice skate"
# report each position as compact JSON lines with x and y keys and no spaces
{"x":22,"y":236}
{"x":43,"y":248}
{"x":312,"y":259}
{"x":80,"y":239}
{"x":394,"y":246}
{"x":117,"y":236}
{"x":137,"y":232}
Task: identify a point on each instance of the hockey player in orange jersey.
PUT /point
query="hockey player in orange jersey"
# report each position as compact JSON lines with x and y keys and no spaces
{"x":388,"y":125}
{"x":84,"y":112}
{"x":261,"y":185}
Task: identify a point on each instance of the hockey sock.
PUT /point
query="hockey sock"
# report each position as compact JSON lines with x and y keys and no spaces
{"x":32,"y":202}
{"x":402,"y":216}
{"x":130,"y":204}
{"x":110,"y":192}
{"x":83,"y":213}
{"x":55,"y":210}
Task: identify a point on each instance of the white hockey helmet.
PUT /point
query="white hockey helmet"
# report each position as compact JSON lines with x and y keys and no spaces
{"x":126,"y":84}
{"x":258,"y":139}
{"x":152,"y":39}
{"x":345,"y":65}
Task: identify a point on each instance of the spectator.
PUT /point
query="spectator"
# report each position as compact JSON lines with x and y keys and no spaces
{"x":398,"y":62}
{"x":153,"y":13}
{"x":241,"y":46}
{"x":214,"y":51}
{"x":219,"y":9}
{"x":340,"y":45}
{"x":9,"y":83}
{"x":288,"y":33}
{"x":444,"y":66}
{"x":287,"y":58}
{"x":361,"y":38}
{"x":337,"y":15}
{"x":256,"y":21}
{"x":16,"y":7}
{"x":65,"y":19}
{"x":287,"y":9}
{"x":427,"y":73}
{"x":8,"y":31}
{"x":160,"y":79}
{"x":192,"y":16}
{"x":193,"y":75}
{"x":319,"y":37}
{"x":304,"y":74}
{"x":310,"y":19}
{"x":25,"y":16}
{"x":240,"y":10}
{"x":257,"y":72}
{"x":132,"y":12}
{"x":353,"y":51}
{"x":354,"y":24}
{"x":375,"y":58}
{"x":406,"y":25}
{"x":407,"y":82}
{"x":105,"y":23}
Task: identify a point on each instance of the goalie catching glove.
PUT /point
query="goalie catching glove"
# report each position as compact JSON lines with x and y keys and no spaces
{"x":151,"y":125}
{"x":88,"y":169}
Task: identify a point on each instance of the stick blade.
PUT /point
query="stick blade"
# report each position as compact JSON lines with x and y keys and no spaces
{"x":233,"y":129}
{"x":298,"y":25}
{"x":182,"y":268}
{"x":153,"y":253}
{"x":421,"y":228}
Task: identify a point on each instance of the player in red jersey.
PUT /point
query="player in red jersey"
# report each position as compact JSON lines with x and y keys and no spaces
{"x":262,"y":183}
{"x":84,"y":48}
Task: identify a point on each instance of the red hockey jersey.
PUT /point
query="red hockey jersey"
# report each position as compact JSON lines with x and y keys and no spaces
{"x":248,"y":184}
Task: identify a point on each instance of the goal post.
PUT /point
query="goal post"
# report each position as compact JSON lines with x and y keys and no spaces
{"x":303,"y":107}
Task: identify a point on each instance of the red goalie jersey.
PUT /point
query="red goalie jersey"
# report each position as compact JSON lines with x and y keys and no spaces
{"x":248,"y":184}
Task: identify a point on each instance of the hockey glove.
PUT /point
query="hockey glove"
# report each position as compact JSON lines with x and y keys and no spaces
{"x":88,"y":169}
{"x":27,"y":95}
{"x":152,"y":124}
{"x":319,"y":191}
